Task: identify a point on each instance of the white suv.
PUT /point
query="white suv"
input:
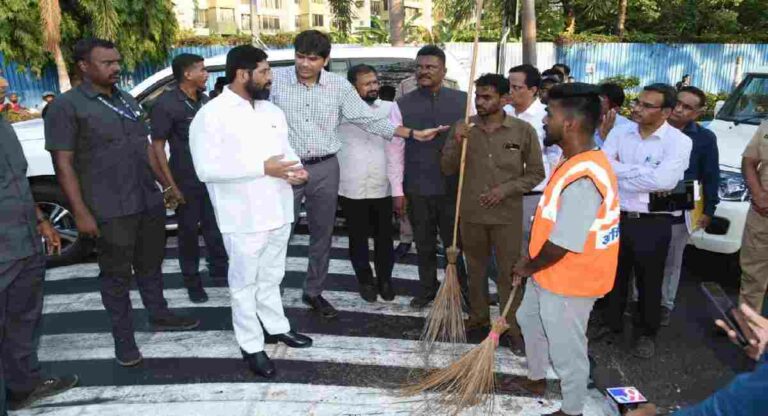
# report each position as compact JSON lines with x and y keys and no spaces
{"x":735,"y":123}
{"x":393,"y":65}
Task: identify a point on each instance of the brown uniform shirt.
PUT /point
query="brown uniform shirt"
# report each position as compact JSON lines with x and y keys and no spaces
{"x":758,"y":149}
{"x":509,"y":157}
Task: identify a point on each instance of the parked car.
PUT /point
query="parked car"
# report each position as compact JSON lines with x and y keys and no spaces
{"x":394,"y":65}
{"x":735,"y":123}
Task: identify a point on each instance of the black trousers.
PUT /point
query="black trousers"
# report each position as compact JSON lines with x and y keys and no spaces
{"x":21,"y":312}
{"x":198,"y":210}
{"x":370,"y":217}
{"x":429,"y":216}
{"x":642,"y":251}
{"x":133,"y":244}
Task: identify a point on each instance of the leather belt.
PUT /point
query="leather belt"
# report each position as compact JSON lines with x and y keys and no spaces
{"x":636,"y":215}
{"x":317,"y":159}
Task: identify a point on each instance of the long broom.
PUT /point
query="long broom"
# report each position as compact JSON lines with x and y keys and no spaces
{"x":470,"y":381}
{"x":445,"y":321}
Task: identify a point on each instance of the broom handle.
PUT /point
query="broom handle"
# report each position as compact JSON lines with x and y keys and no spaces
{"x":509,"y":301}
{"x":467,"y":111}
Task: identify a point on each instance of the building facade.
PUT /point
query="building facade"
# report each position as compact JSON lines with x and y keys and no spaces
{"x":231,"y":17}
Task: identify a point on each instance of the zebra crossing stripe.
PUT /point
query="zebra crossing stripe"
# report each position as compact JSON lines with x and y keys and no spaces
{"x":251,"y":399}
{"x":222,"y":344}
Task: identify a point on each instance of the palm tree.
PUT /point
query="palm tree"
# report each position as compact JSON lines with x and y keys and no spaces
{"x":343,"y":15}
{"x":396,"y":23}
{"x":50,"y":16}
{"x":104,"y":19}
{"x":622,"y":18}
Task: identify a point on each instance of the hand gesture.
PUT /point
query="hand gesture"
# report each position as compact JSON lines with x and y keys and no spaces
{"x":429,"y":134}
{"x":462,"y":131}
{"x":86,"y":225}
{"x":398,"y":206}
{"x":298,"y":177}
{"x":756,"y":324}
{"x":607,"y":123}
{"x":492,"y":198}
{"x":51,"y":237}
{"x":276,"y":167}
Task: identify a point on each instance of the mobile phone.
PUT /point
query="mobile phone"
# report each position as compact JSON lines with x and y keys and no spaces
{"x":626,"y":398}
{"x":727,"y":311}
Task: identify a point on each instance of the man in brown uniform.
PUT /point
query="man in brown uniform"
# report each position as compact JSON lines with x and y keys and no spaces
{"x":503,"y":162}
{"x":754,"y":244}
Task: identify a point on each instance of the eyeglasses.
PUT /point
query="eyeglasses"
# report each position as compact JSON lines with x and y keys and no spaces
{"x":646,"y":106}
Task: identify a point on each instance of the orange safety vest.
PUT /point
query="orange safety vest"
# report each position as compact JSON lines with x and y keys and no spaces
{"x":590,"y":273}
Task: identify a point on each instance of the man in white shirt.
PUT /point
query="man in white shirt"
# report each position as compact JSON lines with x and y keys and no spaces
{"x":524,"y":81}
{"x":240,"y":150}
{"x":365,"y":191}
{"x":648,"y":157}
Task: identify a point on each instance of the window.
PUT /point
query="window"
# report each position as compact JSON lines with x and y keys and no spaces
{"x":749,"y":103}
{"x":297,"y":22}
{"x":376,"y":7}
{"x":411,"y":12}
{"x":317,"y":20}
{"x":318,"y":1}
{"x":245,"y":21}
{"x":227,"y":15}
{"x":200,"y":18}
{"x":359,"y":4}
{"x":272,"y":4}
{"x":386,"y":4}
{"x":270,"y":23}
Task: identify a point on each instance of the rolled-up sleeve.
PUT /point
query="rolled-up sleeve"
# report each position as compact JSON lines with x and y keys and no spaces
{"x":357,"y":112}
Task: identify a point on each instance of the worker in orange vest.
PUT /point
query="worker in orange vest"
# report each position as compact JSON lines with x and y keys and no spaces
{"x":573,"y":250}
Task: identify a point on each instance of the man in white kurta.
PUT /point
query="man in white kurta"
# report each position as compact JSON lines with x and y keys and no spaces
{"x":239,"y":145}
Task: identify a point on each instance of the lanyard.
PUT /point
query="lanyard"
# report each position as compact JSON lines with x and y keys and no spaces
{"x":131,"y":115}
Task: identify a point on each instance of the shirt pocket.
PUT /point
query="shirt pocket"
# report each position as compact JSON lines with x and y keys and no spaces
{"x":508,"y":154}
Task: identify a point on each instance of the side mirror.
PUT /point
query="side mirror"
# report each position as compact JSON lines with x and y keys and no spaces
{"x":719,"y":106}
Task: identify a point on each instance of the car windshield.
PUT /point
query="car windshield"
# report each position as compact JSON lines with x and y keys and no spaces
{"x":749,"y":103}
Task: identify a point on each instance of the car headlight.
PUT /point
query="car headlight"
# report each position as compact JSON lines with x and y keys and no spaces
{"x":733,"y":187}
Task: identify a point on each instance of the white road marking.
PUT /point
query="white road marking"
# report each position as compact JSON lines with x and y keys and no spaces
{"x":258,"y":399}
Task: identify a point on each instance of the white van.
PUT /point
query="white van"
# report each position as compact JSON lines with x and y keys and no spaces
{"x":735,"y":123}
{"x":393,"y":64}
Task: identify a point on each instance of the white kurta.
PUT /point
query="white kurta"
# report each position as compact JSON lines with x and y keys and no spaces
{"x":230,"y":140}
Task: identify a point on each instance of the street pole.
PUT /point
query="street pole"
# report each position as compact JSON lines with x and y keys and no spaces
{"x":529,"y":32}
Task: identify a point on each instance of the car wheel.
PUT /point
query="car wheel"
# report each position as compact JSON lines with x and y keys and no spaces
{"x":74,"y":249}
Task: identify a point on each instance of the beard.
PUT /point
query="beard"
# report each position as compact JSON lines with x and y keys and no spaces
{"x":258,"y":93}
{"x":371,"y":97}
{"x":551,"y":139}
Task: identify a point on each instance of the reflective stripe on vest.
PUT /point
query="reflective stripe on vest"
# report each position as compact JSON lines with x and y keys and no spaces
{"x":592,"y":272}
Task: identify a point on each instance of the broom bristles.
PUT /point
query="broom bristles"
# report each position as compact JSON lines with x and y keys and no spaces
{"x":468,"y":382}
{"x":445,"y":321}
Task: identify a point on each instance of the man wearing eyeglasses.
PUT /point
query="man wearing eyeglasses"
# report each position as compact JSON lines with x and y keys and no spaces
{"x":648,"y":157}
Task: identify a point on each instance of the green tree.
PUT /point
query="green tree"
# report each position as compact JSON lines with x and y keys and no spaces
{"x":343,"y":15}
{"x":143,"y":30}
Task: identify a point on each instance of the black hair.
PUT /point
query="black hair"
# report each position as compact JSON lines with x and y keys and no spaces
{"x":532,"y":75}
{"x":498,"y":82}
{"x":686,"y":76}
{"x":432,"y":50}
{"x":581,"y":100}
{"x":182,"y":63}
{"x":698,"y":93}
{"x":566,"y":70}
{"x":669,"y":92}
{"x":313,"y":42}
{"x":553,"y":73}
{"x":614,"y":92}
{"x":220,"y":82}
{"x":358,"y":70}
{"x":84,"y":47}
{"x":387,"y":93}
{"x":243,"y":57}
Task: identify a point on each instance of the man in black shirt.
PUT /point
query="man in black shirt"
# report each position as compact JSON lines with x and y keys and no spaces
{"x":98,"y":138}
{"x":172,"y":114}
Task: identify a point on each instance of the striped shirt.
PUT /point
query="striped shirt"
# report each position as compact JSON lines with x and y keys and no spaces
{"x":315,"y":112}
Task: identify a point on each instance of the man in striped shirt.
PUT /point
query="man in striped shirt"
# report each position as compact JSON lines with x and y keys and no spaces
{"x":315,"y":102}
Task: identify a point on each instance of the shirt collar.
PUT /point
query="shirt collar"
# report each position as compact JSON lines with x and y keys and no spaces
{"x":182,"y":96}
{"x":322,"y":79}
{"x":229,"y":97}
{"x":692,"y":127}
{"x":659,"y":134}
{"x":87,"y":88}
{"x":535,"y":107}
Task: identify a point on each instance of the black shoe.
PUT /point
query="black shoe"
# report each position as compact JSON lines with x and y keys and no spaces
{"x":48,"y":387}
{"x":367,"y":292}
{"x":197,"y":294}
{"x":422,"y":301}
{"x":385,"y":289}
{"x":321,"y":305}
{"x":260,"y":364}
{"x":666,"y":315}
{"x":401,"y":250}
{"x":127,"y":353}
{"x":290,"y":338}
{"x":598,"y":332}
{"x":645,"y":347}
{"x":171,"y":322}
